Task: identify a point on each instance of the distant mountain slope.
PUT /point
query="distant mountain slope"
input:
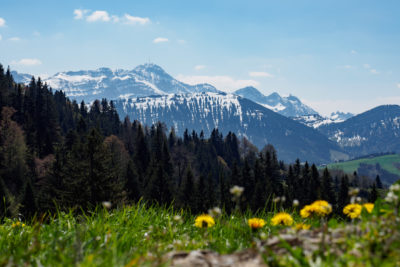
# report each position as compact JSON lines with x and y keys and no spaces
{"x":289,"y":106}
{"x":228,"y":112}
{"x":21,"y":77}
{"x":144,"y":80}
{"x":374,"y":131}
{"x":316,"y":120}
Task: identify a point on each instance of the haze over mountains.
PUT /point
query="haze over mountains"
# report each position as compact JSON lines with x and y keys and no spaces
{"x":150,"y":94}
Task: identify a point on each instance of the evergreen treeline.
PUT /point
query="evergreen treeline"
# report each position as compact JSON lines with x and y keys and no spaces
{"x":58,"y":154}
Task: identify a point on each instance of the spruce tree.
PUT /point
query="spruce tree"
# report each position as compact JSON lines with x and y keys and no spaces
{"x":327,"y":191}
{"x":373,"y":195}
{"x":343,"y":198}
{"x":28,"y":202}
{"x":187,"y":190}
{"x":378,"y":182}
{"x":314,"y":192}
{"x":132,"y":182}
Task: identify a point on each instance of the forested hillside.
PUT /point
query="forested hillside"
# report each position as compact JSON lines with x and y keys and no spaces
{"x":59,"y":154}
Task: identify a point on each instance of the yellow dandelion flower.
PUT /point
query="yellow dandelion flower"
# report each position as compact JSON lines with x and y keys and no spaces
{"x":306,"y":211}
{"x":352,"y":210}
{"x":301,"y":226}
{"x":282,"y":218}
{"x":204,"y":220}
{"x":321,"y":207}
{"x":369,"y":207}
{"x":256,"y":223}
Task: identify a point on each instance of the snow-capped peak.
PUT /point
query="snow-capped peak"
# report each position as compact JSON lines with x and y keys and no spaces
{"x":289,"y":106}
{"x":144,"y":80}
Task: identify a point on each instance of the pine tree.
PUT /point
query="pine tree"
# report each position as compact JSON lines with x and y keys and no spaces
{"x":314,"y":192}
{"x":201,"y":197}
{"x":327,"y":191}
{"x":373,"y":195}
{"x":187,"y":190}
{"x":132,"y":183}
{"x":28,"y":203}
{"x":343,"y":198}
{"x":158,"y":189}
{"x":378,"y":182}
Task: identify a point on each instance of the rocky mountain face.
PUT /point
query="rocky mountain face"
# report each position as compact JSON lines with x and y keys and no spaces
{"x":227,"y":112}
{"x":374,"y":131}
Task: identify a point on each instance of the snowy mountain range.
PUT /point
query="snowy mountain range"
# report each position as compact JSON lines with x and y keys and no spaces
{"x":292,"y":107}
{"x":150,"y":79}
{"x":228,"y":112}
{"x":144,"y":80}
{"x":149,"y":94}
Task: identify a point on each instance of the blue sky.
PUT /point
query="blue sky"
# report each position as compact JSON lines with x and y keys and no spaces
{"x":333,"y":55}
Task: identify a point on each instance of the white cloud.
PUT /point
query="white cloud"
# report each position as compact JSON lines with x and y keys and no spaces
{"x":398,"y":85}
{"x":135,"y":20}
{"x":79,"y":13}
{"x":2,"y":22}
{"x":14,"y":39}
{"x":199,"y":67}
{"x":98,"y":15}
{"x":353,"y":52}
{"x":224,"y":83}
{"x":36,"y":33}
{"x":1,"y":37}
{"x":367,"y":66}
{"x":104,"y":16}
{"x":182,"y":42}
{"x":27,"y":62}
{"x":160,"y":40}
{"x":260,"y":74}
{"x":374,"y":71}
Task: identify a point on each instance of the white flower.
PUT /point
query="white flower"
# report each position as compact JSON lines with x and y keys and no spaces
{"x":394,"y":187}
{"x":214,"y":212}
{"x":237,"y":191}
{"x":106,"y":204}
{"x":295,"y":203}
{"x":276,"y":200}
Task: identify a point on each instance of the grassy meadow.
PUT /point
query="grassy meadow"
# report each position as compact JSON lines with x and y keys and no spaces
{"x":390,"y":163}
{"x":144,"y":235}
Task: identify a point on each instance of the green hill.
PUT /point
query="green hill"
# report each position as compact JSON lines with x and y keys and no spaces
{"x":387,"y":166}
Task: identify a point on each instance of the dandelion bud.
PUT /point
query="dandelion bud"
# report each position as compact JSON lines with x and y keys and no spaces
{"x":295,"y":203}
{"x":354,"y":192}
{"x":214,"y":212}
{"x":276,"y":200}
{"x":106,"y":204}
{"x":283,"y":198}
{"x":237,"y":191}
{"x":358,"y":199}
{"x":177,"y":218}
